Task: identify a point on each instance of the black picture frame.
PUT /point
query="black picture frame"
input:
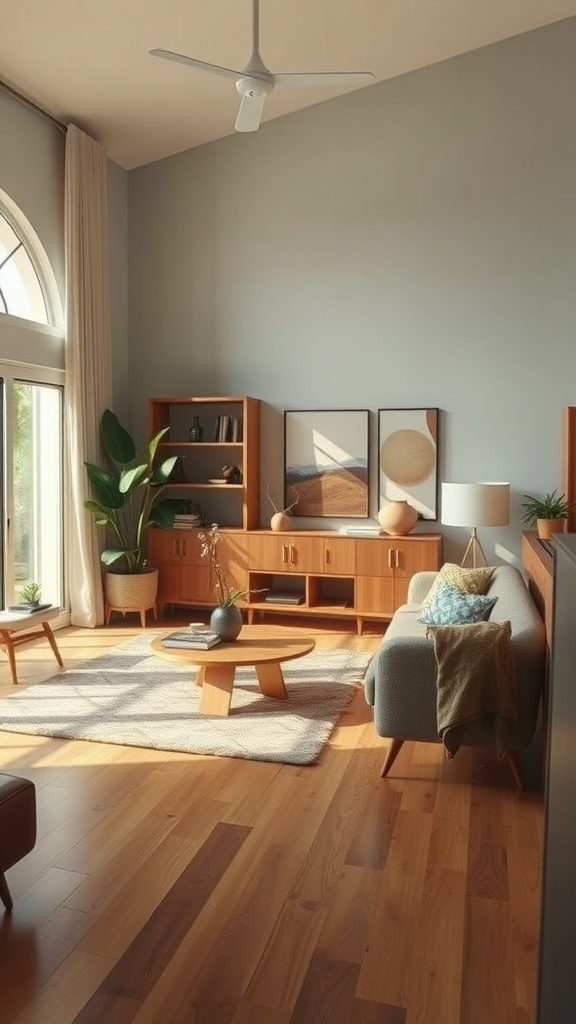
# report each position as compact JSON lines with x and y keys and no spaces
{"x":408,"y":459}
{"x":326,"y":462}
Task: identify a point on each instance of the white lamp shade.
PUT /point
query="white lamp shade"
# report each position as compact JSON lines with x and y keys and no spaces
{"x":483,"y":504}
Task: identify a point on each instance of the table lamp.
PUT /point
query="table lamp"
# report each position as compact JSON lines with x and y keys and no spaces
{"x":474,"y":505}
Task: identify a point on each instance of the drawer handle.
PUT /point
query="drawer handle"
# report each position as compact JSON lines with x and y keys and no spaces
{"x":292,"y":555}
{"x":284,"y":554}
{"x":391,"y":558}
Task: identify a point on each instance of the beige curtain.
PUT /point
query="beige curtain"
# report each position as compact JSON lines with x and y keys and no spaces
{"x":88,"y":361}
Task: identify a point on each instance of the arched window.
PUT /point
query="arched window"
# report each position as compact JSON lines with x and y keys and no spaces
{"x":31,"y":425}
{"x":20,"y":289}
{"x":27,"y":284}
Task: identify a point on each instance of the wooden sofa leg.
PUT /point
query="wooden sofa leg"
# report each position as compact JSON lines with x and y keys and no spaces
{"x":5,"y":893}
{"x":393,"y":751}
{"x":513,"y":761}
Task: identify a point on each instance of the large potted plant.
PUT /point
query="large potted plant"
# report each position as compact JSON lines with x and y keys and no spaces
{"x":126,"y":499}
{"x":548,"y":514}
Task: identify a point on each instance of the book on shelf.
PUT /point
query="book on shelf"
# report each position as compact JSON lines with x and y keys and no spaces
{"x":284,"y":597}
{"x":185,"y":521}
{"x":223,"y":428}
{"x":193,"y":640}
{"x":236,"y":429}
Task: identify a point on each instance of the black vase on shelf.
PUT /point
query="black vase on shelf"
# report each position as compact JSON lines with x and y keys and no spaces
{"x":196,"y":432}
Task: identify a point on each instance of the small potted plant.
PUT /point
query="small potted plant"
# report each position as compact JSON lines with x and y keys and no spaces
{"x":226,"y":619}
{"x":126,"y":499}
{"x":548,"y":514}
{"x":30,"y":594}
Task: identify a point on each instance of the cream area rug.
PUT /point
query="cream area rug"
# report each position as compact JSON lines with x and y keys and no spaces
{"x":132,"y":697}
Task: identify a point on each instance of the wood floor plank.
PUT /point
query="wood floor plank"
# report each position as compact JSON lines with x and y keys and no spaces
{"x":63,"y":997}
{"x":485,"y":993}
{"x":284,"y":962}
{"x":345,"y":932}
{"x":141,"y":965}
{"x":434,"y":982}
{"x":388,"y":964}
{"x":250,"y":1013}
{"x":524,"y":864}
{"x":373,"y":834}
{"x":487,"y":849}
{"x":328,"y":997}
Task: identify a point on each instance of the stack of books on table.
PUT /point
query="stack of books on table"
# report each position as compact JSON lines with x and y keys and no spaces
{"x":187,"y":520}
{"x":192,"y":639}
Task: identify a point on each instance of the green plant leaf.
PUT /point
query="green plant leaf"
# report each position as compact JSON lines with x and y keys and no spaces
{"x":153,"y":444}
{"x":111,"y":555}
{"x":104,"y":487}
{"x":163,"y":512}
{"x":163,"y":472}
{"x":132,"y":478}
{"x":116,"y":440}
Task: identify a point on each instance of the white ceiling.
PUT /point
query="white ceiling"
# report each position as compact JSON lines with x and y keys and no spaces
{"x":87,"y":61}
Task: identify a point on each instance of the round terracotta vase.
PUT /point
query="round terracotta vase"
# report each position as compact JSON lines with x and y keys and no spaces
{"x":397,"y":518}
{"x":226,"y":622}
{"x":280,"y":521}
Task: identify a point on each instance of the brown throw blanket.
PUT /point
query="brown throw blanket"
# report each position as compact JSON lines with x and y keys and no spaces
{"x":476,"y":680}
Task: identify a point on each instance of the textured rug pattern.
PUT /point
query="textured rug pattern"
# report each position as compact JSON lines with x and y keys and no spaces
{"x":132,"y":697}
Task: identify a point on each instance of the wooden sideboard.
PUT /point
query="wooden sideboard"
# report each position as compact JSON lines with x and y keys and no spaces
{"x":304,"y":572}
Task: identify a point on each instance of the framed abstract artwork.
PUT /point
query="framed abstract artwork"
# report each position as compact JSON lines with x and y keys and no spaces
{"x":326,"y":462}
{"x":408,"y":458}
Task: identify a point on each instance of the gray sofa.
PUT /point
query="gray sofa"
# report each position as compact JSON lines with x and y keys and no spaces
{"x":400,"y":682}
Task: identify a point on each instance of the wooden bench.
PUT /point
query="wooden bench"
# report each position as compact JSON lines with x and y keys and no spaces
{"x":19,"y":627}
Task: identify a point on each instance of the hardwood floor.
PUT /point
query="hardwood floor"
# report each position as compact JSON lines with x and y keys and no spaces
{"x":169,"y":888}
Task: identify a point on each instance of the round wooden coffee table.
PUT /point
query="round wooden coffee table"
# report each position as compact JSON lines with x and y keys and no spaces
{"x":260,"y":646}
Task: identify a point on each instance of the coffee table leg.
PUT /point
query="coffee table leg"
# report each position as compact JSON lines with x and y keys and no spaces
{"x":217,"y":690}
{"x":271,"y":680}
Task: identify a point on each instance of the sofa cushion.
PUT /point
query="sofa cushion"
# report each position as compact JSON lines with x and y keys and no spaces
{"x":452,"y":607}
{"x":470,"y":581}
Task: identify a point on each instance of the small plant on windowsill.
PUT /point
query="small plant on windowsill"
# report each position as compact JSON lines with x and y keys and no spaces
{"x":31,"y":593}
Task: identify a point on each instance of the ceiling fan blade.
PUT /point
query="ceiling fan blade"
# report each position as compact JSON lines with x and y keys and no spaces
{"x":250,"y":113}
{"x":180,"y":58}
{"x":326,"y":78}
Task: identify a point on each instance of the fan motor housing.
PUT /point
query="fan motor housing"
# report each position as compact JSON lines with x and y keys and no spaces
{"x":249,"y":86}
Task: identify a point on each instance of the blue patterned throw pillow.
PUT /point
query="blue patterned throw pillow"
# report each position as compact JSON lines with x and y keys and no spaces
{"x":452,"y":607}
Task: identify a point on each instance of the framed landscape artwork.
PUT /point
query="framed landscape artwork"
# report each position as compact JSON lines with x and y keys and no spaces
{"x":326,"y":462}
{"x":408,"y":458}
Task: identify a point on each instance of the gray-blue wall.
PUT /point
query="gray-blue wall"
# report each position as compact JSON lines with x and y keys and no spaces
{"x":411,"y":244}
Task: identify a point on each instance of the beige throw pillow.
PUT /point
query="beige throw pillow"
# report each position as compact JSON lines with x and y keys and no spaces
{"x":469,"y":581}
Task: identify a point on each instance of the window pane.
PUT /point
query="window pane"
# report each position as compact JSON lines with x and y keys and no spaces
{"x":20,"y":291}
{"x":37,"y":488}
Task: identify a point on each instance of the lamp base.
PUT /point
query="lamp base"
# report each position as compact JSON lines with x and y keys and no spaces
{"x":474,"y":551}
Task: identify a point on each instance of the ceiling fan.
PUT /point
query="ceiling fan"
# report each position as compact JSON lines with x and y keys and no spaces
{"x":255,"y":82}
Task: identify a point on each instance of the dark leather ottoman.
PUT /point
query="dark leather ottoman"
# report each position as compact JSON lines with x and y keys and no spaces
{"x":17,"y":826}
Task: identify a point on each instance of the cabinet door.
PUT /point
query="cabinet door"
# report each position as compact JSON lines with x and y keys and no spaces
{"x":163,"y":547}
{"x":375,"y":595}
{"x":413,"y":556}
{"x":375,"y":557}
{"x":185,"y":584}
{"x":340,"y":556}
{"x":286,"y":553}
{"x":233,"y":557}
{"x":171,"y":547}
